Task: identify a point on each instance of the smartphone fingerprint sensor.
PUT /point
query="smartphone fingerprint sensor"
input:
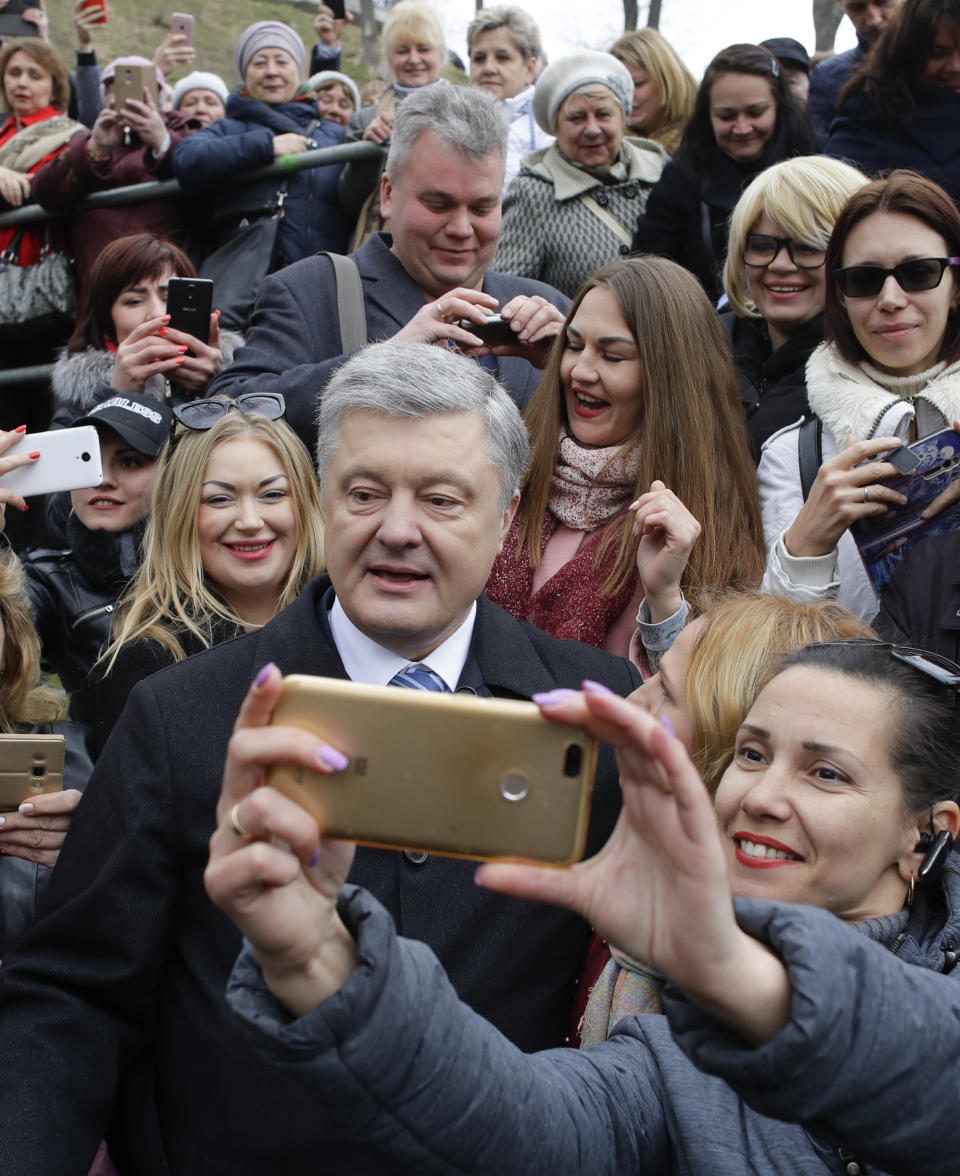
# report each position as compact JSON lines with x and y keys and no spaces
{"x":573,"y":760}
{"x":514,"y":786}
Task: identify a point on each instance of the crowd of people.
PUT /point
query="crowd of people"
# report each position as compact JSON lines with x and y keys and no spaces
{"x":580,"y":383}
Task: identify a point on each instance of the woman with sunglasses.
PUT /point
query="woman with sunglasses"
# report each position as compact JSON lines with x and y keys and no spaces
{"x":122,"y":341}
{"x":234,"y":533}
{"x":775,"y":282}
{"x":888,"y":373}
{"x":833,"y":975}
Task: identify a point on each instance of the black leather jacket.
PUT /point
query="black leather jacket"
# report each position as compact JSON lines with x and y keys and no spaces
{"x":73,"y":592}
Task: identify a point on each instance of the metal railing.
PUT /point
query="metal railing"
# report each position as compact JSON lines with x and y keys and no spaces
{"x":157,"y":189}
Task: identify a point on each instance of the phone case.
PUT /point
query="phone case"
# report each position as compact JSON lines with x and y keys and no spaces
{"x":182,"y":23}
{"x":69,"y":460}
{"x":29,"y":765}
{"x":102,"y":5}
{"x":189,"y":304}
{"x":452,"y":774}
{"x":130,"y":81}
{"x":883,"y":541}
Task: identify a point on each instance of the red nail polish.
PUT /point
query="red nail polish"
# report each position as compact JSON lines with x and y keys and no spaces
{"x":182,"y":348}
{"x":162,"y":331}
{"x":33,"y":456}
{"x":182,"y":359}
{"x":20,"y":429}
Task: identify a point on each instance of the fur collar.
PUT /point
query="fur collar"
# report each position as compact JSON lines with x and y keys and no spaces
{"x":854,"y":399}
{"x":78,"y":379}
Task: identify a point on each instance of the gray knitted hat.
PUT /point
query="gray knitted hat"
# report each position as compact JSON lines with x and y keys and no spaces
{"x":268,"y":34}
{"x":558,"y":81}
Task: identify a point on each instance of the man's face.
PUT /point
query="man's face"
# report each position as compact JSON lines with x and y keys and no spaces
{"x":870,"y":17}
{"x":413,"y":525}
{"x":445,"y":215}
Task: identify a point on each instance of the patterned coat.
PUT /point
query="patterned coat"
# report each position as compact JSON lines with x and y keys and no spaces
{"x":548,"y":231}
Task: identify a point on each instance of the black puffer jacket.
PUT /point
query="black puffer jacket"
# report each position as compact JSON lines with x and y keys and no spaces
{"x":921,"y":603}
{"x":73,"y":592}
{"x":773,"y":384}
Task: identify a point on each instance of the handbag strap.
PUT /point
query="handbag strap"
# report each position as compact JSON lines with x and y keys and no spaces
{"x":611,"y":222}
{"x":809,"y":452}
{"x":350,"y":308}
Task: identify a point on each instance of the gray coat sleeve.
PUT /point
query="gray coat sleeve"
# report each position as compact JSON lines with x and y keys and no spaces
{"x":871,"y":1057}
{"x":417,"y":1082}
{"x":528,"y":215}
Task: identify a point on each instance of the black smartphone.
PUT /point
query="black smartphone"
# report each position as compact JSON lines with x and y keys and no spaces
{"x":338,"y":8}
{"x":12,"y":23}
{"x":189,"y":305}
{"x":495,"y":330}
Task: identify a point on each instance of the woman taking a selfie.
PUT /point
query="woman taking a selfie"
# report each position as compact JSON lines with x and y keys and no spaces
{"x":123,"y":341}
{"x":837,"y":798}
{"x":33,"y":829}
{"x":638,"y":448}
{"x":234,"y":534}
{"x":775,"y":279}
{"x":888,"y":373}
{"x":745,"y":119}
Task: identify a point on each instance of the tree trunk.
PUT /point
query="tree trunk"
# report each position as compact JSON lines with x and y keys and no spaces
{"x":827,"y":15}
{"x":370,"y":41}
{"x":629,"y":15}
{"x":653,"y":14}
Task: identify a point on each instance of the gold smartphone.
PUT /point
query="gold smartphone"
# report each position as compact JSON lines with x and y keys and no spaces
{"x":453,"y":774}
{"x":130,"y":81}
{"x":29,"y":765}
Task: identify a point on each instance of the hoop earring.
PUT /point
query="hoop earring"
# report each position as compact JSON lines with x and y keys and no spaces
{"x":911,"y":890}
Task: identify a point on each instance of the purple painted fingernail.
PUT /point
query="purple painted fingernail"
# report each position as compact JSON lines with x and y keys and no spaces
{"x":332,"y":758}
{"x":668,"y":725}
{"x":26,"y":808}
{"x":476,"y":877}
{"x":553,"y":697}
{"x":263,"y":675}
{"x":315,"y":856}
{"x":596,"y":687}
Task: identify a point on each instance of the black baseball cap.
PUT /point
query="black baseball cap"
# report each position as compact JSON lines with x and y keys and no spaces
{"x":142,"y":421}
{"x":788,"y":52}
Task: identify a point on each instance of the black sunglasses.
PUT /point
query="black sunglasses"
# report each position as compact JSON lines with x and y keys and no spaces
{"x":759,"y":251}
{"x":200,"y":415}
{"x":866,"y":281}
{"x":935,"y":666}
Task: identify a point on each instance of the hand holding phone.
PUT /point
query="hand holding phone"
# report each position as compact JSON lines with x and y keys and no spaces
{"x":99,"y":7}
{"x":67,"y":459}
{"x":181,"y":25}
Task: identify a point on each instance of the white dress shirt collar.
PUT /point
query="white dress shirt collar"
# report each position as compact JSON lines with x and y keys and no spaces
{"x":366,"y":661}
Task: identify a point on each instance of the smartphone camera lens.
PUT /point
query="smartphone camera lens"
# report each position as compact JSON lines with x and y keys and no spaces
{"x":573,"y":761}
{"x":84,"y":456}
{"x":39,"y":771}
{"x":514,"y":786}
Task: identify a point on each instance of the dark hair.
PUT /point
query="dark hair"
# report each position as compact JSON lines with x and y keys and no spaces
{"x":900,"y":56}
{"x":925,"y":734}
{"x":46,"y":56}
{"x":121,"y":264}
{"x":913,"y":195}
{"x":793,"y":134}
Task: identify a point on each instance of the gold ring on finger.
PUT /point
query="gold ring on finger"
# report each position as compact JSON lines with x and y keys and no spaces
{"x":235,"y":823}
{"x":866,"y":494}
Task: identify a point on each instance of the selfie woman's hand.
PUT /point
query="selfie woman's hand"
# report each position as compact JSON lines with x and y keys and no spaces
{"x":269,"y":870}
{"x":843,"y":492}
{"x":146,"y":351}
{"x":37,"y":830}
{"x":12,"y":462}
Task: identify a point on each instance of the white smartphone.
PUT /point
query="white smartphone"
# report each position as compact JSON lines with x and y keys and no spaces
{"x":69,"y":460}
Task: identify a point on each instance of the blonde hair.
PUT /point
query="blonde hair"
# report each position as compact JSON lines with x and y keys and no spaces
{"x":26,"y":697}
{"x":744,"y":641}
{"x":650,"y":50}
{"x":804,"y":195}
{"x":171,"y":596}
{"x":412,"y":18}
